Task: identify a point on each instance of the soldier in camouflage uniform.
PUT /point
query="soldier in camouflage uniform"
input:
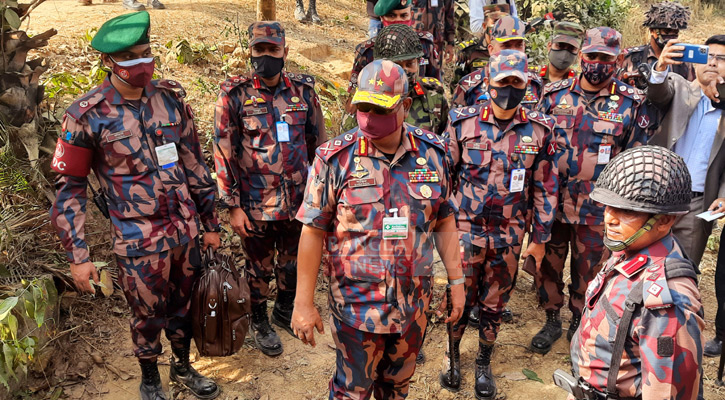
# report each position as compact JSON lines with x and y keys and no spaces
{"x":438,"y":18}
{"x":563,"y":50}
{"x":505,"y":160}
{"x":508,"y":33}
{"x":601,"y":116}
{"x":268,"y":125}
{"x":399,"y":43}
{"x":665,"y":21}
{"x":139,"y":138}
{"x":377,"y":200}
{"x":395,"y":12}
{"x":641,"y":333}
{"x":473,"y":54}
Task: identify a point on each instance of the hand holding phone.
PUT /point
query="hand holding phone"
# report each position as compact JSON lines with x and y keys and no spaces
{"x":693,"y":53}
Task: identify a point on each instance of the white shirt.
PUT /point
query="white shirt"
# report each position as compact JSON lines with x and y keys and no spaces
{"x":476,"y":14}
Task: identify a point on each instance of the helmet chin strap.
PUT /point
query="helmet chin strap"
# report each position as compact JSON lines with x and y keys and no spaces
{"x":619,"y":245}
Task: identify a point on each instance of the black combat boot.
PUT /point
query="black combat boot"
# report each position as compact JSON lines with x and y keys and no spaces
{"x":312,"y":13}
{"x":156,"y":4}
{"x":184,"y":374}
{"x":150,"y":388}
{"x":550,"y":333}
{"x":420,"y":358}
{"x":576,"y":319}
{"x":507,"y":316}
{"x":282,"y":312}
{"x":133,"y":5}
{"x":473,"y":319}
{"x":265,"y":337}
{"x":450,"y":377}
{"x":300,"y":12}
{"x":713,"y":347}
{"x":485,"y":388}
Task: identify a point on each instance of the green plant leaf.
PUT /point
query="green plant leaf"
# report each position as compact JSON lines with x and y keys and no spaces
{"x":13,"y":326}
{"x":40,"y":299}
{"x":12,"y":17}
{"x":6,"y":306}
{"x":9,"y":354}
{"x":531,"y":375}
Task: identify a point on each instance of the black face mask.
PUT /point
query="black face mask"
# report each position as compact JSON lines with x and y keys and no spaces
{"x":561,"y":59}
{"x":661,"y":40}
{"x":506,"y":97}
{"x":267,"y":66}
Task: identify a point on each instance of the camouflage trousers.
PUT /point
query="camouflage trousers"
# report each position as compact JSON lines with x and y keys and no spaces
{"x":588,"y":254}
{"x":490,"y":277}
{"x":158,"y":290}
{"x":373,"y":363}
{"x":271,"y":249}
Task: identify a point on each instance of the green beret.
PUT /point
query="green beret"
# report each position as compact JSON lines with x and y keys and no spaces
{"x":123,"y":32}
{"x":384,"y":7}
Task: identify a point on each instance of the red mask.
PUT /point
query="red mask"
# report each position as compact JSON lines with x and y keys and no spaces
{"x":375,"y":126}
{"x":137,"y":73}
{"x":388,"y":23}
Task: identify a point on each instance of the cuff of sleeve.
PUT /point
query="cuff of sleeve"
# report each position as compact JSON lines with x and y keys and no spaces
{"x":229,"y":201}
{"x":657,"y":77}
{"x":447,"y":209}
{"x":313,"y":217}
{"x":538,"y":237}
{"x":212,"y":224}
{"x":78,"y":256}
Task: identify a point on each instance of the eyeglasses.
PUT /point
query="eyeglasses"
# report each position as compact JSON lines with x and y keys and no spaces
{"x":719,"y":57}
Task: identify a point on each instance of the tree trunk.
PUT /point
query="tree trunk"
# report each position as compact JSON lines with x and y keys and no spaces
{"x":266,"y":10}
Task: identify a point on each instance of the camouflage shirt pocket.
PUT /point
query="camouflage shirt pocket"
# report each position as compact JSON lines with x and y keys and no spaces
{"x":123,"y":153}
{"x":256,"y":123}
{"x":361,"y":209}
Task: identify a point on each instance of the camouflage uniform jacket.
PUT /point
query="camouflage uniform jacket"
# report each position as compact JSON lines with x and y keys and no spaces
{"x":471,"y":56}
{"x":472,"y":90}
{"x":429,"y":110}
{"x":268,"y":175}
{"x":543,"y":73}
{"x":634,"y":56}
{"x":376,"y":285}
{"x":609,"y":122}
{"x":429,"y":63}
{"x":662,"y":357}
{"x":438,"y":20}
{"x":153,"y":208}
{"x":485,"y":158}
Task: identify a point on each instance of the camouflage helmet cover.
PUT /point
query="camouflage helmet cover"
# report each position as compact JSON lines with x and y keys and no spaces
{"x":397,"y":42}
{"x":667,"y":15}
{"x":649,"y":179}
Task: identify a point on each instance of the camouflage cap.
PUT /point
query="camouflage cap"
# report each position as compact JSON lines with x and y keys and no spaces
{"x":384,"y":7}
{"x":382,"y":83}
{"x":266,"y":32}
{"x":122,"y":32}
{"x":496,"y":11}
{"x":508,"y":63}
{"x":569,"y":33}
{"x":508,"y":28}
{"x":397,"y":42}
{"x":602,"y":40}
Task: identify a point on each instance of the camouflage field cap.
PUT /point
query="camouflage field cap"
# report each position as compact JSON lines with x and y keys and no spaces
{"x":266,"y":32}
{"x":508,"y":63}
{"x":122,"y":32}
{"x":382,"y":83}
{"x":508,"y":28}
{"x":384,"y":7}
{"x":602,"y":40}
{"x":569,"y":33}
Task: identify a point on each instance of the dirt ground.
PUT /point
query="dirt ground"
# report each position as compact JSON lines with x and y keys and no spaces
{"x":93,"y":358}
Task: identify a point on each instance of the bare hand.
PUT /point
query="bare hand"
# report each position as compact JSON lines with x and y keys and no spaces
{"x":536,"y":250}
{"x":458,"y":298}
{"x":449,"y":52}
{"x":668,"y":55}
{"x":240,"y":222}
{"x":305,"y":318}
{"x":711,"y":89}
{"x":718,"y":206}
{"x":82,"y":274}
{"x":210,"y":239}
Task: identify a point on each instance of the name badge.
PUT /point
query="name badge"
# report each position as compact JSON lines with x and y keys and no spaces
{"x":605,"y":152}
{"x":114,"y":136}
{"x":434,"y":3}
{"x":282,"y":131}
{"x":517,"y":180}
{"x":395,"y":228}
{"x":562,"y":111}
{"x":167,"y":155}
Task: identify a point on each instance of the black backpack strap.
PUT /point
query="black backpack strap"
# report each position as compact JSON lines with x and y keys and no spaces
{"x":634,"y":300}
